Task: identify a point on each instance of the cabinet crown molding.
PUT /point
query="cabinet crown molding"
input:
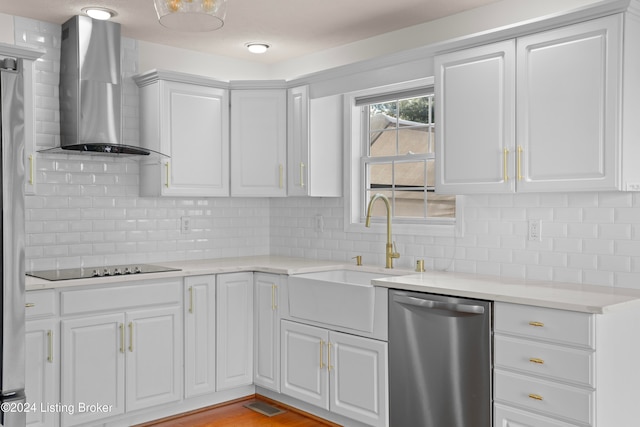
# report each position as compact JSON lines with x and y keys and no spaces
{"x":20,"y":51}
{"x":155,"y":75}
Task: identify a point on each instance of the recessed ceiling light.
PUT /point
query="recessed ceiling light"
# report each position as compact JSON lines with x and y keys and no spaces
{"x":101,"y":13}
{"x":257,"y":47}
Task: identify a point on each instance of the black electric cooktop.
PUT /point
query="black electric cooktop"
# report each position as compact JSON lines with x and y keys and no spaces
{"x":91,"y":272}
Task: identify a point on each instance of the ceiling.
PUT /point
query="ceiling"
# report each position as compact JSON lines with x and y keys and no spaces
{"x":293,"y":28}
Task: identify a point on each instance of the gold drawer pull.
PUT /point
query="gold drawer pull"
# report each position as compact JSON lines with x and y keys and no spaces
{"x":190,"y":299}
{"x":121,"y":337}
{"x":31,"y":169}
{"x":535,"y":396}
{"x":329,"y":367}
{"x":520,"y":150}
{"x":166,"y":165}
{"x":29,"y":305}
{"x":536,"y":324}
{"x":505,"y":163}
{"x":131,"y":337}
{"x":321,"y":356}
{"x":536,"y":360}
{"x":50,"y":346}
{"x":274,"y":306}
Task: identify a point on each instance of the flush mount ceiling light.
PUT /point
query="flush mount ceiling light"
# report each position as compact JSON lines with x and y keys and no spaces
{"x":257,"y":47}
{"x":191,"y":15}
{"x":101,"y":13}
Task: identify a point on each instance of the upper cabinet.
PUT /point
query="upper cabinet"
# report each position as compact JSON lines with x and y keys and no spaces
{"x":189,"y":122}
{"x":258,"y":142}
{"x":314,"y":134}
{"x":544,"y":112}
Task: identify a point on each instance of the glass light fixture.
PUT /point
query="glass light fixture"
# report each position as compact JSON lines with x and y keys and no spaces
{"x":191,"y":15}
{"x":101,"y":13}
{"x":257,"y":47}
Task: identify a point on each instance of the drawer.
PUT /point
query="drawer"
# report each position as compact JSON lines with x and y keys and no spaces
{"x":574,"y":404}
{"x":565,"y":327}
{"x":118,"y":298}
{"x":505,"y":416}
{"x":41,"y":303}
{"x":546,"y":360}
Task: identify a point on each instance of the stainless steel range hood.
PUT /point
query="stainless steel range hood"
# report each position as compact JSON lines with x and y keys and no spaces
{"x":91,"y":89}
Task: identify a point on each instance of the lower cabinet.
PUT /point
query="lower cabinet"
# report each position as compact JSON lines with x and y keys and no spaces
{"x":41,"y":367}
{"x":234,"y":326}
{"x":200,"y":335}
{"x":341,"y":373}
{"x":120,"y":361}
{"x":266,"y":364}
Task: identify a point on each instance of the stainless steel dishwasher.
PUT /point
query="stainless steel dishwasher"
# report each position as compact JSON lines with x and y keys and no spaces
{"x":440,"y":361}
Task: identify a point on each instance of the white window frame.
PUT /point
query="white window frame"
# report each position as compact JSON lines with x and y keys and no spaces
{"x":355,"y":175}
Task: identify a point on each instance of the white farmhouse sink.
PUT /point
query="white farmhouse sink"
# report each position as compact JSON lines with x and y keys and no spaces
{"x":343,"y":298}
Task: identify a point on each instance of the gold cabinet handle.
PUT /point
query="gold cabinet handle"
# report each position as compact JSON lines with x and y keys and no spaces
{"x":505,"y":164}
{"x":274,"y":305}
{"x":536,"y":324}
{"x":131,"y":336}
{"x":536,"y":360}
{"x":190,"y":299}
{"x":321,"y":357}
{"x":520,"y":149}
{"x":281,"y":172}
{"x":50,"y":346}
{"x":329,"y":367}
{"x":121,"y":337}
{"x":31,"y":169}
{"x":29,"y":305}
{"x":301,"y":174}
{"x":535,"y":396}
{"x":166,"y":165}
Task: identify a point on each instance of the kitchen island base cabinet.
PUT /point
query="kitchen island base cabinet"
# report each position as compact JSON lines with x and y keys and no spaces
{"x":341,"y":373}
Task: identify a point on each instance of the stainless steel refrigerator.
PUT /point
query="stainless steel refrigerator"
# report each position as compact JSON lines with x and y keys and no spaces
{"x":12,"y":350}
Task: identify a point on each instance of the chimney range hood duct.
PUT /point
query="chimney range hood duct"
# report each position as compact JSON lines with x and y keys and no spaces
{"x":91,"y":89}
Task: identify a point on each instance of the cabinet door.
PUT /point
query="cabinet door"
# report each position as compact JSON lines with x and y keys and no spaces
{"x":41,"y":370}
{"x":298,"y":141}
{"x":475,"y":119}
{"x":196,"y":132}
{"x":266,"y":365}
{"x":154,"y":357}
{"x":568,"y":107}
{"x":92,"y":366}
{"x":505,"y":416}
{"x":259,"y":140}
{"x":358,"y":376}
{"x":234,"y":323}
{"x":326,"y":135}
{"x":200,"y":335}
{"x":304,"y":363}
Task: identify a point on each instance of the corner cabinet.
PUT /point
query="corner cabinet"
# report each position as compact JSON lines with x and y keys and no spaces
{"x":187,"y":119}
{"x":567,"y":134}
{"x":258,"y":142}
{"x":315,"y":135}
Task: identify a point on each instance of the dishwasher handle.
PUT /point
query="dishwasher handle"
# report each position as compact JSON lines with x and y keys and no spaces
{"x":439,"y":305}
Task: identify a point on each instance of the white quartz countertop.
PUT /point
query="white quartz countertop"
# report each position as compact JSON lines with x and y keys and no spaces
{"x":564,"y":296}
{"x":583,"y":298}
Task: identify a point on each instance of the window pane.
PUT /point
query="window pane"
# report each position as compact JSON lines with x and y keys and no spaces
{"x":380,"y":175}
{"x":378,"y":209}
{"x":409,"y":204}
{"x":383,"y":116}
{"x":415,"y":110}
{"x":431,"y":174}
{"x":441,"y":206}
{"x":383,"y":143}
{"x":410,"y":174}
{"x":413,"y":140}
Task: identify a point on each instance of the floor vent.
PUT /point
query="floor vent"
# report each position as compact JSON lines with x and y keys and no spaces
{"x":264,"y":408}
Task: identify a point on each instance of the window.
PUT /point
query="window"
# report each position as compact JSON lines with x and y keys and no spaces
{"x":393,"y":138}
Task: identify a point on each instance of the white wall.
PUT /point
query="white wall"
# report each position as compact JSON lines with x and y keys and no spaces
{"x":6,"y":29}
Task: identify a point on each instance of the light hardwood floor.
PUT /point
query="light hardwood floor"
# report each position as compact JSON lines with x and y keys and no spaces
{"x":234,"y":414}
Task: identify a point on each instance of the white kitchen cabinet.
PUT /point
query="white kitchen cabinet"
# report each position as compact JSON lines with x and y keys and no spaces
{"x":42,"y":365}
{"x":342,"y":373}
{"x":154,"y":360}
{"x":475,"y":119}
{"x":314,"y":134}
{"x":121,"y":346}
{"x":258,"y":142}
{"x":189,"y":122}
{"x":234,"y":325}
{"x":93,"y":366}
{"x":200,"y":335}
{"x":563,"y":368}
{"x":565,"y":86}
{"x":266,"y":366}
